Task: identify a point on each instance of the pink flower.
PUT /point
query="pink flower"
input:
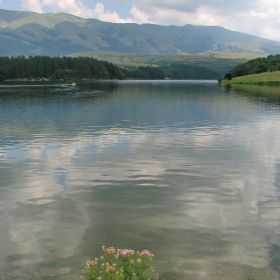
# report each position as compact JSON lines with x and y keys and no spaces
{"x":89,"y":263}
{"x":126,"y":253}
{"x":110,"y":268}
{"x":111,"y":251}
{"x":145,"y":253}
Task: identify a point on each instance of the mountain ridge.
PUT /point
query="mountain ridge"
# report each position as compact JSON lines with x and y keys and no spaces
{"x":56,"y":34}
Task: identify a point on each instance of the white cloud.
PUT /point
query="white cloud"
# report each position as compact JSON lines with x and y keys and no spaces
{"x":100,"y":13}
{"x":75,"y":7}
{"x":32,"y":5}
{"x":254,"y":17}
{"x":140,"y":16}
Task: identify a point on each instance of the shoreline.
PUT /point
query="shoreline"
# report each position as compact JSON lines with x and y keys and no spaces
{"x":84,"y":81}
{"x":266,"y":78}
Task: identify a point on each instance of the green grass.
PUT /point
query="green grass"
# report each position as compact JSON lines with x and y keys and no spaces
{"x":227,"y":55}
{"x":254,"y":47}
{"x":263,"y":78}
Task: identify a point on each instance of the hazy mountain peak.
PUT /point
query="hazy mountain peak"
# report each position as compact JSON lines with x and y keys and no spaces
{"x":29,"y":33}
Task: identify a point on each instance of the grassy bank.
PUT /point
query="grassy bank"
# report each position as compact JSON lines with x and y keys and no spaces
{"x":262,"y":78}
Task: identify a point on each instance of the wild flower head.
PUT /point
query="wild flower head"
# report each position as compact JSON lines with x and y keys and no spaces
{"x":145,"y":253}
{"x":110,"y":268}
{"x":126,"y":253}
{"x":91,"y":263}
{"x":111,"y":251}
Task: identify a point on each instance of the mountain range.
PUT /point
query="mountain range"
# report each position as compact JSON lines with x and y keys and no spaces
{"x":56,"y":34}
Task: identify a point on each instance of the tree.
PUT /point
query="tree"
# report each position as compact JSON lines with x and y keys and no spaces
{"x":2,"y":78}
{"x":261,"y":68}
{"x":228,"y":76}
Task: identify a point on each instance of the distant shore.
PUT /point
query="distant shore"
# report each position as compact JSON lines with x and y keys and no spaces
{"x":50,"y":81}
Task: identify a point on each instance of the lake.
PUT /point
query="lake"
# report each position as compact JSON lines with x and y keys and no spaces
{"x":189,"y":170}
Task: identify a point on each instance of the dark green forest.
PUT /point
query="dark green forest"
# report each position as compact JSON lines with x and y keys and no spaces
{"x":57,"y":68}
{"x":80,"y":68}
{"x":256,"y":66}
{"x":188,"y":72}
{"x":146,"y":73}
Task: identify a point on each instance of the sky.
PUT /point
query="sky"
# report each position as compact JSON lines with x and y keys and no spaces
{"x":256,"y":17}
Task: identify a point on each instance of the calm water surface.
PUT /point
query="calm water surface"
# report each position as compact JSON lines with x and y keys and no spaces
{"x":188,"y":170}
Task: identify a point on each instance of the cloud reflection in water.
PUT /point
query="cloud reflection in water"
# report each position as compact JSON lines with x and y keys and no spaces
{"x":197,"y":185}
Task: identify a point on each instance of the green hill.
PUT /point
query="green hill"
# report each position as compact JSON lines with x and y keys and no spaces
{"x":29,"y":33}
{"x":256,"y":71}
{"x":257,"y":65}
{"x":220,"y":63}
{"x":13,"y":19}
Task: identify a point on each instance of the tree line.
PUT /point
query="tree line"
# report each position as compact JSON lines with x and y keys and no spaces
{"x":56,"y":68}
{"x":188,"y":72}
{"x":78,"y":68}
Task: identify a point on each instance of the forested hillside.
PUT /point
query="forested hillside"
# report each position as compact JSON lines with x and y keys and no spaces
{"x":218,"y":62}
{"x":188,"y":72}
{"x":78,"y":68}
{"x":56,"y":68}
{"x":257,"y":66}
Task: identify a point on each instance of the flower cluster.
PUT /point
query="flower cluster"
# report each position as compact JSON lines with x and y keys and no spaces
{"x":90,"y":263}
{"x":111,"y":251}
{"x":126,"y":253}
{"x":121,"y":264}
{"x":145,"y":253}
